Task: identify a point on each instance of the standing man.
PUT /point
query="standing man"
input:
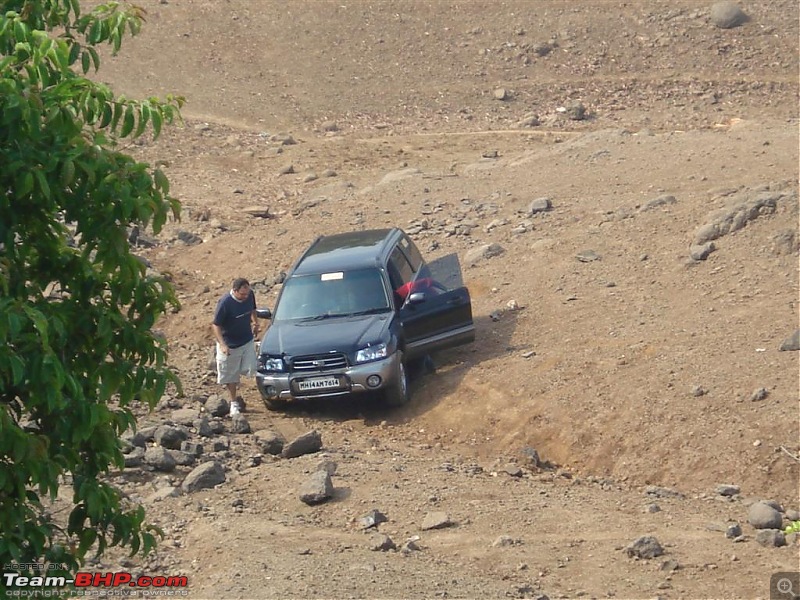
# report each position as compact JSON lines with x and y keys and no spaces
{"x":235,"y":325}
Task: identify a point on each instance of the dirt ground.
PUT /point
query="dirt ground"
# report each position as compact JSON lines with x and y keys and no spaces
{"x":630,"y":367}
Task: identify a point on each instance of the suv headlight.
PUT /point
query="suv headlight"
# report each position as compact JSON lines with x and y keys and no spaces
{"x":273,"y":364}
{"x":370,"y":353}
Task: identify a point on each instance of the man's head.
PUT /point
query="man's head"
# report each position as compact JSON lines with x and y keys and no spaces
{"x":240,"y":288}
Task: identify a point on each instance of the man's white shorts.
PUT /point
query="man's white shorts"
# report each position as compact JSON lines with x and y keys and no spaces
{"x":239,"y":361}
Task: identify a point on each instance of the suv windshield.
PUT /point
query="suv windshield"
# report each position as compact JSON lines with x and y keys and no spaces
{"x":336,"y":294}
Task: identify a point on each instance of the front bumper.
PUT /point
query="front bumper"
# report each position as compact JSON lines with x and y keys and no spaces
{"x":350,"y":380}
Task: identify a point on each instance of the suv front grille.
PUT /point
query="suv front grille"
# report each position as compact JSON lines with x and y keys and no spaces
{"x":319,"y":362}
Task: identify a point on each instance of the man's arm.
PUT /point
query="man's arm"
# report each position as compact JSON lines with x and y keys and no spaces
{"x":254,"y":316}
{"x":220,"y":340}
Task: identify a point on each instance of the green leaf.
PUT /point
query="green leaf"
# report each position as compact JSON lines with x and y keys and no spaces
{"x":161,"y":181}
{"x":39,"y":323}
{"x":95,"y":57}
{"x":155,"y":118}
{"x":128,"y":122}
{"x":95,"y":32}
{"x":17,"y":370}
{"x":26,"y":187}
{"x":74,"y":53}
{"x":44,"y":187}
{"x":20,"y":31}
{"x":107,"y":114}
{"x":118,"y":112}
{"x":85,"y":64}
{"x":67,"y":173}
{"x":144,"y":118}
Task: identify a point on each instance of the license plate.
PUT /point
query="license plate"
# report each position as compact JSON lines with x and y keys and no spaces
{"x":318,"y":383}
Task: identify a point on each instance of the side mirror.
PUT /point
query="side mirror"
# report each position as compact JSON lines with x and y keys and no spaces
{"x":416,"y":298}
{"x":263,"y":313}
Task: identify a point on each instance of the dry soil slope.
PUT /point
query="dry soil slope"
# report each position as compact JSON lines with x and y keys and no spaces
{"x":610,"y":387}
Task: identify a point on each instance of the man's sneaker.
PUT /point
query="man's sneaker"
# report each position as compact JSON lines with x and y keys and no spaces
{"x":242,"y":405}
{"x":236,"y":408}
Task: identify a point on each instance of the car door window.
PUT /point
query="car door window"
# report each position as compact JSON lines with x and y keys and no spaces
{"x":412,"y":253}
{"x":404,"y":268}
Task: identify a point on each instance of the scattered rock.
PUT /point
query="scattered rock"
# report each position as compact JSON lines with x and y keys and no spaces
{"x":763,"y":516}
{"x":759,"y":394}
{"x":170,"y":437}
{"x":531,"y":457}
{"x":189,"y":238}
{"x":587,"y":256}
{"x":727,"y":15}
{"x":792,"y":343}
{"x":240,"y":424}
{"x":436,"y":520}
{"x":503,"y":541}
{"x":317,"y":489}
{"x":699,"y":390}
{"x":736,"y":214}
{"x":645,"y":547}
{"x":400,"y":175}
{"x":134,"y":458}
{"x":501,"y":94}
{"x":308,"y":443}
{"x":261,"y":212}
{"x":539,"y":205}
{"x":204,"y":476}
{"x":217,"y":406}
{"x":670,"y":565}
{"x":658,"y":202}
{"x":701,"y":251}
{"x":529,"y":121}
{"x":724,"y":489}
{"x":576,"y":111}
{"x":771,"y":538}
{"x":733,"y":531}
{"x":663,"y":492}
{"x":159,"y":458}
{"x":381,"y":543}
{"x":184,"y":416}
{"x":192,"y":448}
{"x":270,"y":441}
{"x":411,"y":546}
{"x":372,"y":519}
{"x":486,"y":251}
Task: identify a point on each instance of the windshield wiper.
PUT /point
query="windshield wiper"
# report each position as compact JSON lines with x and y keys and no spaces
{"x":325,"y":316}
{"x":371,"y":311}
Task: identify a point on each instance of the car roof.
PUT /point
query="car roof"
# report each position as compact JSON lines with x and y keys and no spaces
{"x":346,"y":251}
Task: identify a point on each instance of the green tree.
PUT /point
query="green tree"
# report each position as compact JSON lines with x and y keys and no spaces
{"x":77,"y":352}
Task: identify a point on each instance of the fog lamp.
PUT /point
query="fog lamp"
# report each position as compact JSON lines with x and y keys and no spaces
{"x":373,"y":381}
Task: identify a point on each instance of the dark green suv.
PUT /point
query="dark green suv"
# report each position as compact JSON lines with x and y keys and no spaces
{"x":355,"y":309}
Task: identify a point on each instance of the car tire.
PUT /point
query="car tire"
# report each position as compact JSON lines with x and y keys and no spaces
{"x":399,"y":393}
{"x":274,"y":404}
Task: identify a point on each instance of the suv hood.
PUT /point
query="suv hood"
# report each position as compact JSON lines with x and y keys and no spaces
{"x":334,"y":334}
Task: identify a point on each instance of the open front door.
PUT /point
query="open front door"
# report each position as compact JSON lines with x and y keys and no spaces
{"x":437,"y":313}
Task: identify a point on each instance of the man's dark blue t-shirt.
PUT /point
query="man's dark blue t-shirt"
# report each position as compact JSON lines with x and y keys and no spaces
{"x":234,"y":318}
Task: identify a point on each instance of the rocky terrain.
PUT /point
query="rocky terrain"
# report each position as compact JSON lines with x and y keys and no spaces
{"x":619,"y":181}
